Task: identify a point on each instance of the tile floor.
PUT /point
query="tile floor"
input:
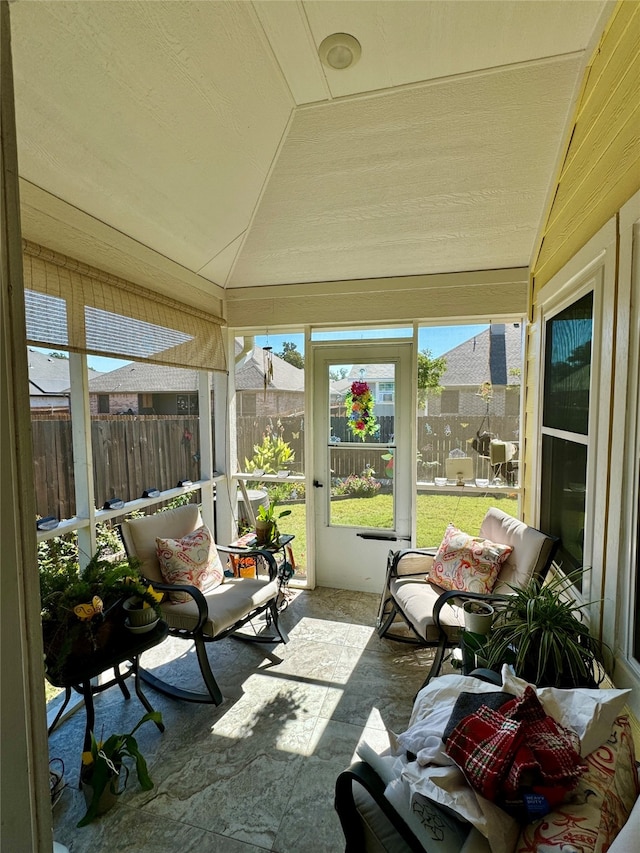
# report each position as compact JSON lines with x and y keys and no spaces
{"x":258,"y":772}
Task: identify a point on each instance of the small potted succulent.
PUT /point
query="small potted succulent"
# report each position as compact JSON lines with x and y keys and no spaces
{"x":105,"y":773}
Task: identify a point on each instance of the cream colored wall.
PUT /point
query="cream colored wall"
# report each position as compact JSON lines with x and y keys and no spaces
{"x":601,"y":168}
{"x":599,"y":175}
{"x":464,"y":296}
{"x":600,"y":171}
{"x":25,"y":805}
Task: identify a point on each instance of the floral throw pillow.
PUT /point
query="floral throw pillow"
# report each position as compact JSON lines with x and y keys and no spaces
{"x":599,"y":806}
{"x":467,"y":563}
{"x":191,"y":560}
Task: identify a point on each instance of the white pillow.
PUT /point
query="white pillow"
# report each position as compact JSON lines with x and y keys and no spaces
{"x":590,"y":713}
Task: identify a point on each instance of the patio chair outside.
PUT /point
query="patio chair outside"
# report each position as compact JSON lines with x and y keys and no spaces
{"x":204,"y":617}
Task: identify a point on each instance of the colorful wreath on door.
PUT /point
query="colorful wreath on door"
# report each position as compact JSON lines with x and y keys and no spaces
{"x":359,"y":404}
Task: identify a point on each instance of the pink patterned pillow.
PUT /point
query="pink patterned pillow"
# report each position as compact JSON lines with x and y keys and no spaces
{"x":467,"y":563}
{"x":191,"y":560}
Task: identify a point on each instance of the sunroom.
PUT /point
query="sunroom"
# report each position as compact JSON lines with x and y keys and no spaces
{"x":186,"y":184}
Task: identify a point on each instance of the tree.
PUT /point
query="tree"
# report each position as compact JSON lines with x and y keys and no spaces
{"x":338,"y":373}
{"x":290,"y":353}
{"x":58,"y":355}
{"x":430,"y":370}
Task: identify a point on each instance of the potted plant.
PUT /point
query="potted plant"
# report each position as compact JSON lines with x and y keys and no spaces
{"x":538,"y":629}
{"x":267,"y":532}
{"x":478,"y":616}
{"x":104,"y":774}
{"x":142,"y":610}
{"x":79,"y":609}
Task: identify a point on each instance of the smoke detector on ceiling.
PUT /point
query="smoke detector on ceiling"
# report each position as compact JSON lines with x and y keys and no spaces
{"x":339,"y":51}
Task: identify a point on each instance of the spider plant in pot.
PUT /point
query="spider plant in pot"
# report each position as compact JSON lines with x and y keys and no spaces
{"x":539,"y":630}
{"x":267,"y":518}
{"x":104,"y":774}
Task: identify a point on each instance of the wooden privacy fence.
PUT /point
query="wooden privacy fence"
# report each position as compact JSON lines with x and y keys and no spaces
{"x":436,"y":438}
{"x":130,"y":454}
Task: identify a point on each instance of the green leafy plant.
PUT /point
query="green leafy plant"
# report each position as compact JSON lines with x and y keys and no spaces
{"x":539,"y":632}
{"x":267,"y":522}
{"x":268,"y":513}
{"x":76,"y":606}
{"x":271,"y":456}
{"x":104,"y":765}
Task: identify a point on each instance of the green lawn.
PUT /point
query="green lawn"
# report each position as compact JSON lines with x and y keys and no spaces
{"x":434,"y":512}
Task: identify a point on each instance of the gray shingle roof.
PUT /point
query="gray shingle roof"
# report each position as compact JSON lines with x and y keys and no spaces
{"x":142,"y":377}
{"x":250,"y":373}
{"x":477,"y":360}
{"x":49,"y":375}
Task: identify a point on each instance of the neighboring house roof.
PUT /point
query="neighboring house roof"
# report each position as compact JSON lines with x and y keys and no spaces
{"x":481,"y":359}
{"x":250,"y":373}
{"x":49,"y":375}
{"x":147,"y":378}
{"x":144,"y":377}
{"x":372,"y":372}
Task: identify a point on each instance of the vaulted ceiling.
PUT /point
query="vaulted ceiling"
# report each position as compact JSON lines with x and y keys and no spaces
{"x":211,"y":135}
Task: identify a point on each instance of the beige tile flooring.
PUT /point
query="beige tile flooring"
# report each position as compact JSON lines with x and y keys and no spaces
{"x":258,"y":772}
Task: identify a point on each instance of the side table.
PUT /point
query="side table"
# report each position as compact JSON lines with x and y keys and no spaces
{"x":123,"y":646}
{"x":286,"y":564}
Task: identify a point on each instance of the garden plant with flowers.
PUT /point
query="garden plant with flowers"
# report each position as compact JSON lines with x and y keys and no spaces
{"x":359,"y":405}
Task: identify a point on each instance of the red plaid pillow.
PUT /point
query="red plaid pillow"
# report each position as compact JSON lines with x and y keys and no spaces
{"x":483,"y":745}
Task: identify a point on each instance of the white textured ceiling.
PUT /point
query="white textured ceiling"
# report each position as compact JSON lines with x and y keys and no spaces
{"x":210,"y":132}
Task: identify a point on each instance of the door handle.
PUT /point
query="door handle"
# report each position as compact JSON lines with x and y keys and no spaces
{"x":317,"y":484}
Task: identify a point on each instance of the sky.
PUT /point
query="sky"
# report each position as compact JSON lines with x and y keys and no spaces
{"x":437,"y":339}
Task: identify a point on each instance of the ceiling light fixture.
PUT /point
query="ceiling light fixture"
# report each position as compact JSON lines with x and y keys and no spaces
{"x":339,"y":51}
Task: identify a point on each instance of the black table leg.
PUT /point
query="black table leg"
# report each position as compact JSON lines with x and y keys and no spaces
{"x":143,"y":699}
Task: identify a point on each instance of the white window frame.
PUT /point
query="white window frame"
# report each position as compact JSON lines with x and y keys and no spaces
{"x":622,"y":590}
{"x":87,"y":514}
{"x":592,"y":268}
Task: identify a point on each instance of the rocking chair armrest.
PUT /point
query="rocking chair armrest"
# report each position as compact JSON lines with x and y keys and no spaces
{"x":267,"y":556}
{"x":453,"y":596}
{"x":363,"y":774}
{"x":194,"y":592}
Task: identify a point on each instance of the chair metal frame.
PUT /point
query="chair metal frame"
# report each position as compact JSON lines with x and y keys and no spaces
{"x":390,"y":609}
{"x":213,"y":694}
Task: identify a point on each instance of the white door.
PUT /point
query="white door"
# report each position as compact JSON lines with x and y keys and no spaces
{"x":362,"y":460}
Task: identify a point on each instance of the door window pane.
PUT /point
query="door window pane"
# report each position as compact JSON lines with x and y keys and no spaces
{"x":361,"y":418}
{"x":567,"y":373}
{"x":362,"y":403}
{"x":362,"y":487}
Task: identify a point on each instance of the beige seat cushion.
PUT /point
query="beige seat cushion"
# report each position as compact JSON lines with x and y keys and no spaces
{"x":227,"y":603}
{"x":416,"y":599}
{"x":140,"y":535}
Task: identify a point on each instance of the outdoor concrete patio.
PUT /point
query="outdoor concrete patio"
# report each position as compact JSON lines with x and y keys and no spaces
{"x":256,"y":773}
